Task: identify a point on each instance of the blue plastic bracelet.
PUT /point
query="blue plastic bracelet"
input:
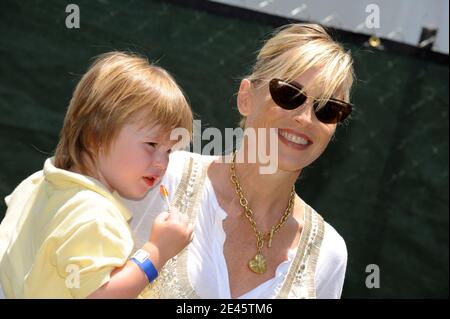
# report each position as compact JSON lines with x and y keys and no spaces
{"x":148,"y":268}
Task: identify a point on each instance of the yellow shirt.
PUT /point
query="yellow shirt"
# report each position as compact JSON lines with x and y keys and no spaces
{"x":62,"y":235}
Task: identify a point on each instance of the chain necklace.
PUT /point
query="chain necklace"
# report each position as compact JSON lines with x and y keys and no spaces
{"x":258,"y":263}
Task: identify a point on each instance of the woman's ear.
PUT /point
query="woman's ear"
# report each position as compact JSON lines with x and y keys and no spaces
{"x":244,"y":98}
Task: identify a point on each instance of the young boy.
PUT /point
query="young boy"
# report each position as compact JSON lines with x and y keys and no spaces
{"x":66,"y":233}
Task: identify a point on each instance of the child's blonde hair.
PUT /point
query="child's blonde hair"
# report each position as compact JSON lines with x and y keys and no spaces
{"x":295,"y":48}
{"x":118,"y":88}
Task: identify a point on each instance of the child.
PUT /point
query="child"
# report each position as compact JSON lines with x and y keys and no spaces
{"x":66,"y":233}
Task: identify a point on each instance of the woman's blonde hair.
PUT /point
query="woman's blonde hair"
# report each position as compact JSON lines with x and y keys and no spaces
{"x":294,"y":49}
{"x":119,"y":88}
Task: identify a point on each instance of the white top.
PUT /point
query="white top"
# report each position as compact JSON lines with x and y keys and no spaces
{"x":207,"y":269}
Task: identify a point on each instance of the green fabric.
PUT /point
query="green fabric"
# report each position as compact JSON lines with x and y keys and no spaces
{"x":382,"y":183}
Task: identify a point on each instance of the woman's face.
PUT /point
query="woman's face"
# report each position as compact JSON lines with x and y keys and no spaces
{"x":301,"y":137}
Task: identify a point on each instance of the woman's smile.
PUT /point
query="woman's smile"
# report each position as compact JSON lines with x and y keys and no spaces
{"x":293,"y":139}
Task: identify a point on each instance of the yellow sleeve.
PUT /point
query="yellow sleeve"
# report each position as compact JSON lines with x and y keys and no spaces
{"x":89,"y":251}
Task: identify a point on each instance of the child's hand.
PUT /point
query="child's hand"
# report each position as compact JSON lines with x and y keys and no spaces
{"x":170,"y":234}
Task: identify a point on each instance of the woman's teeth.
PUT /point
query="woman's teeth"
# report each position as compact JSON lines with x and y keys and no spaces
{"x":294,"y":138}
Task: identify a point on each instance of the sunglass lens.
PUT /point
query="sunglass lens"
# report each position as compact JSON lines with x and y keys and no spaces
{"x":286,"y":96}
{"x":332,"y":112}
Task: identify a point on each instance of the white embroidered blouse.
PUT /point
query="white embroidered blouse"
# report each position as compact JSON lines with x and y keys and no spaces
{"x":315,"y":269}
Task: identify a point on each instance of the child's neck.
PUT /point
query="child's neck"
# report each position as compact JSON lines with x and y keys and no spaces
{"x":98,"y":176}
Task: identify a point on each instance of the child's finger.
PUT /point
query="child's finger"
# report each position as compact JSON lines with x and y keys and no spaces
{"x":162,"y":217}
{"x":174,"y":215}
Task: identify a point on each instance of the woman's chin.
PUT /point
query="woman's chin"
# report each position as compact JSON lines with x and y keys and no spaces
{"x":290,"y":163}
{"x":291,"y":168}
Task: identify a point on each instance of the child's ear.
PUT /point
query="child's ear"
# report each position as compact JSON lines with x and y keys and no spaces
{"x":244,"y":98}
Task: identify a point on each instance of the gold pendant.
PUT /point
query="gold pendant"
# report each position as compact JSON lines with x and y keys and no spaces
{"x":258,"y":264}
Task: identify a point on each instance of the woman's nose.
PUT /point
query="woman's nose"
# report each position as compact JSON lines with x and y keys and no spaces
{"x":305,"y":113}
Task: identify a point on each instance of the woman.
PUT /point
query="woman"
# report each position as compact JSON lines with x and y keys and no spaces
{"x":254,"y":236}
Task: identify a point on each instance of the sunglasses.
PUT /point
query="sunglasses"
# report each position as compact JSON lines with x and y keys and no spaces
{"x":290,"y":96}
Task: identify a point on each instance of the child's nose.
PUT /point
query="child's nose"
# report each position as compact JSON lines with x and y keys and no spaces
{"x":161,"y":161}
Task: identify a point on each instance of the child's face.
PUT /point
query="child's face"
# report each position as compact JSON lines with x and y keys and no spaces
{"x":136,"y":161}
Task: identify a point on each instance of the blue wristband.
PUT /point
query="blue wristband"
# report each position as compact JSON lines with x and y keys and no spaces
{"x":141,"y":259}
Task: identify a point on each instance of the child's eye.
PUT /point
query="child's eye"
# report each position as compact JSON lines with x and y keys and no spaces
{"x":152,"y":144}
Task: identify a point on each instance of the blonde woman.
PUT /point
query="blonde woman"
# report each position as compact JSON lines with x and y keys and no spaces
{"x":254,"y":236}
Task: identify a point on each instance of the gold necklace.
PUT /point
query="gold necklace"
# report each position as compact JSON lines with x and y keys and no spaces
{"x":258,"y":263}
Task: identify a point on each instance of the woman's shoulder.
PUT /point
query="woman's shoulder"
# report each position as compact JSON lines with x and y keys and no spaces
{"x":333,"y":248}
{"x":331,"y":265}
{"x":331,"y":262}
{"x":333,"y":245}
